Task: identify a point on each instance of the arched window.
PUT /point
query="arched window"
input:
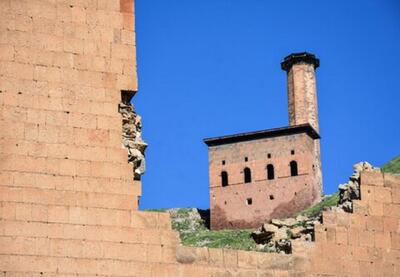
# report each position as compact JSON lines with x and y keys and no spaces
{"x":293,"y":168}
{"x":247,"y":175}
{"x":270,"y":172}
{"x":224,"y":178}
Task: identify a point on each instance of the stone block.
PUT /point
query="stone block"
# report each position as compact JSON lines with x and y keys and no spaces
{"x":390,"y":224}
{"x":395,"y":195}
{"x":366,"y":238}
{"x":126,"y":6}
{"x":58,"y":214}
{"x":375,"y":223}
{"x":144,"y":219}
{"x":392,"y":181}
{"x":354,"y":236}
{"x":6,"y":52}
{"x":375,"y":208}
{"x":230,"y":258}
{"x":216,"y":257}
{"x":395,"y":241}
{"x":371,"y":178}
{"x":341,"y":235}
{"x":382,"y":240}
{"x":391,"y":210}
{"x":247,"y":259}
{"x":382,"y":195}
{"x":186,"y":255}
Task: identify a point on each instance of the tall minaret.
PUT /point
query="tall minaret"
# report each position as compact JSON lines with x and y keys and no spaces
{"x":302,"y":99}
{"x":302,"y":92}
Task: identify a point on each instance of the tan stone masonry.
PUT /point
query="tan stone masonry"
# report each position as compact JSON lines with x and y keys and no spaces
{"x":68,"y":201}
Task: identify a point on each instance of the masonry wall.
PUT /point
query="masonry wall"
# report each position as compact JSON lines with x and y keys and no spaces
{"x":67,"y":195}
{"x":279,"y":197}
{"x":363,"y":243}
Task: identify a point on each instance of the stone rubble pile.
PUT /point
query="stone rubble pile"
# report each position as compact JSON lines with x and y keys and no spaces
{"x":278,"y":234}
{"x":132,"y":138}
{"x":351,"y":190}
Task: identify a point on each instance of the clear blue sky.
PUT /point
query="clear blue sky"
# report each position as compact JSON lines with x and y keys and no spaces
{"x":212,"y":67}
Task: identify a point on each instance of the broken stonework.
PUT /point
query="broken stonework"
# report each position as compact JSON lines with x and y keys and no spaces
{"x":132,"y":136}
{"x":351,"y":190}
{"x":279,"y":234}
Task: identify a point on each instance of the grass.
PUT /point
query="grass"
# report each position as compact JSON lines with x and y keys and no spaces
{"x":392,"y":166}
{"x":193,"y":231}
{"x":328,"y":201}
{"x":233,"y":239}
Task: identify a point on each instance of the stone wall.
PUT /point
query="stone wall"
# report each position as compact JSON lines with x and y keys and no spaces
{"x":363,"y":243}
{"x":68,"y":198}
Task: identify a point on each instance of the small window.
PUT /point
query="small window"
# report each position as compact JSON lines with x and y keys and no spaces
{"x":293,"y":168}
{"x":224,"y":178}
{"x":249,"y":201}
{"x":225,"y":202}
{"x":269,"y":155}
{"x":246,"y":159}
{"x":292,"y":152}
{"x":247,"y":175}
{"x":271,"y":197}
{"x":223,"y":162}
{"x":270,"y":172}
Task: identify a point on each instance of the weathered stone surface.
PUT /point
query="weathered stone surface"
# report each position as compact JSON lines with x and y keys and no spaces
{"x":132,"y":137}
{"x":185,"y":255}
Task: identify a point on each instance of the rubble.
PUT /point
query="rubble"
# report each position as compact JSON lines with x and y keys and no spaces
{"x":351,"y":190}
{"x":132,"y":137}
{"x":278,"y":234}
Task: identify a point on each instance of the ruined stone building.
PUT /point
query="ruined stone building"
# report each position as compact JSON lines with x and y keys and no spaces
{"x":71,"y":157}
{"x":273,"y":173}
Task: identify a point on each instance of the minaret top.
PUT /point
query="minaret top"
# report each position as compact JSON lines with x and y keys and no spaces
{"x":295,"y":58}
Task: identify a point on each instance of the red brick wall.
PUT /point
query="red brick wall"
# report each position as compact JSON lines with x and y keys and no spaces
{"x":290,"y":194}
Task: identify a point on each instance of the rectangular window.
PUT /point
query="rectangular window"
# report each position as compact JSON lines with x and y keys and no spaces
{"x":249,"y":201}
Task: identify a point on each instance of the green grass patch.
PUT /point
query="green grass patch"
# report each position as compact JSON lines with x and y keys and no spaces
{"x":162,"y":210}
{"x":233,"y":239}
{"x":328,"y":201}
{"x":392,"y":166}
{"x":193,"y":231}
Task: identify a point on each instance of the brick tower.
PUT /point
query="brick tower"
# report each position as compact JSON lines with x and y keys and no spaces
{"x":257,"y":176}
{"x":302,"y":98}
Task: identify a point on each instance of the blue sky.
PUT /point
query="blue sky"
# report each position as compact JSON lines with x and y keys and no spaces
{"x":212,"y":67}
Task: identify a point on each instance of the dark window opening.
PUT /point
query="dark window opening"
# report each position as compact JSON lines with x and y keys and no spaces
{"x":292,"y":152}
{"x":225,"y":202}
{"x":271,"y":197}
{"x":270,"y":172}
{"x":269,"y":156}
{"x":246,"y":159}
{"x":223,"y":162}
{"x":249,"y":201}
{"x":247,"y":175}
{"x":224,"y":178}
{"x":293,"y":168}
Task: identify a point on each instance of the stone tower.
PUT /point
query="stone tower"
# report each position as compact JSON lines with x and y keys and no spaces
{"x":302,"y":98}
